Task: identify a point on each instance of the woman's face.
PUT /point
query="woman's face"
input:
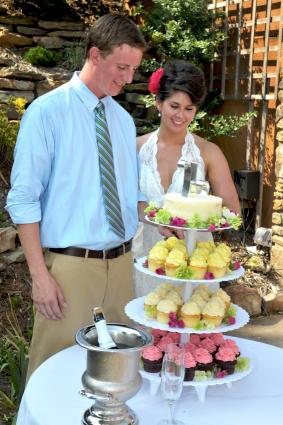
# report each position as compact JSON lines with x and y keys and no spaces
{"x":177,"y":111}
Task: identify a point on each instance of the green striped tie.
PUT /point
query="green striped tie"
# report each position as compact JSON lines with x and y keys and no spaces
{"x":107,"y":173}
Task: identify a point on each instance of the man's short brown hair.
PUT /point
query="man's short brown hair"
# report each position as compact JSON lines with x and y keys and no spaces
{"x":112,"y":30}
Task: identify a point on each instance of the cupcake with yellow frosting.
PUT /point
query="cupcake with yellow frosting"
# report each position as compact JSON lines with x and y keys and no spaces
{"x":175,"y":297}
{"x":163,"y":289}
{"x":164,"y":308}
{"x":197,"y":298}
{"x":216,"y":265}
{"x":162,"y":243}
{"x":156,"y":257}
{"x":205,"y":294}
{"x":190,"y":314}
{"x":173,"y":241}
{"x":198,"y":265}
{"x":213,"y":312}
{"x":174,"y":260}
{"x":224,"y":297}
{"x":204,"y":252}
{"x":210,"y":245}
{"x":150,"y":303}
{"x":225,"y":252}
{"x":181,"y":247}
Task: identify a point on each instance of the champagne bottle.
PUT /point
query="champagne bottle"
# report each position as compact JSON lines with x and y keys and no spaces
{"x":104,"y":338}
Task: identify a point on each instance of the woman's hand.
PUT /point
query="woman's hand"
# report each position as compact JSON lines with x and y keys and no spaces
{"x":167,"y":232}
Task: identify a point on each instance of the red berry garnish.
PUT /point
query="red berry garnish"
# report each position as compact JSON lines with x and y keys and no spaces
{"x":172,"y":323}
{"x":231,"y":320}
{"x":180,"y":323}
{"x":209,"y":276}
{"x":211,"y":228}
{"x":160,"y":270}
{"x":145,"y":264}
{"x":173,"y":316}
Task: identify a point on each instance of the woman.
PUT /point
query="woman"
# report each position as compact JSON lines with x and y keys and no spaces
{"x":180,"y":89}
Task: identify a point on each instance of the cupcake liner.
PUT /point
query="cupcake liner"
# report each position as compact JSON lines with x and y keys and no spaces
{"x":152,"y":366}
{"x":189,"y":373}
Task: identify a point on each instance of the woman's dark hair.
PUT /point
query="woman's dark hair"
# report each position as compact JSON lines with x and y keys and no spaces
{"x":182,"y":76}
{"x":112,"y":30}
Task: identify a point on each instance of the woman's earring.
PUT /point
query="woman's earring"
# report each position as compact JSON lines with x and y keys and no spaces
{"x":159,"y":113}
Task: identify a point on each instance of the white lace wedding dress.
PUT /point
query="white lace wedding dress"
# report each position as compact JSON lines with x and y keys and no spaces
{"x":150,"y":185}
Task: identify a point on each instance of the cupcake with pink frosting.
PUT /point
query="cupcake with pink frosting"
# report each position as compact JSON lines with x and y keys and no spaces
{"x":152,"y":359}
{"x":204,"y":359}
{"x":225,"y":359}
{"x":190,"y":366}
{"x":190,"y":347}
{"x":164,"y":342}
{"x":209,"y":345}
{"x":230,"y":343}
{"x":195,"y":339}
{"x":217,"y":338}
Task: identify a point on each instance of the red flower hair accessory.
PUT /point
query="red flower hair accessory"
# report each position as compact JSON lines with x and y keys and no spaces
{"x":154,"y":80}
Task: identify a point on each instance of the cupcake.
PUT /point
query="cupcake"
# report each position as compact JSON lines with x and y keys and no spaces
{"x":198,"y":300}
{"x":190,"y":366}
{"x":190,"y":314}
{"x":220,"y":293}
{"x":156,"y":258}
{"x":163,"y":289}
{"x":175,"y":297}
{"x":203,"y":252}
{"x":157,"y":335}
{"x":152,"y":359}
{"x":172,"y":241}
{"x":225,"y":252}
{"x":210,"y":245}
{"x":216,"y":265}
{"x":205,"y":295}
{"x":190,"y":347}
{"x":174,"y":260}
{"x":209,"y":345}
{"x":150,"y":303}
{"x":225,"y":359}
{"x":217,"y":338}
{"x":213,"y":312}
{"x":204,"y":359}
{"x":162,"y":243}
{"x":198,"y":265}
{"x":164,"y":342}
{"x":164,"y":308}
{"x":195,"y":339}
{"x":230,"y":343}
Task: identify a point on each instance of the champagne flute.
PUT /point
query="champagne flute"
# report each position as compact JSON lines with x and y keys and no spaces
{"x":172,"y":377}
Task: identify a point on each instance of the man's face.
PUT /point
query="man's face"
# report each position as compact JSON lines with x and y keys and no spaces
{"x":115,"y":70}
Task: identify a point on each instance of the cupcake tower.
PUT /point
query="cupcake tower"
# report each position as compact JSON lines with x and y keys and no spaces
{"x":174,"y":307}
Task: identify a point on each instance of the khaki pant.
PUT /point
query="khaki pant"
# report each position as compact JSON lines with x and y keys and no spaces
{"x":86,"y":283}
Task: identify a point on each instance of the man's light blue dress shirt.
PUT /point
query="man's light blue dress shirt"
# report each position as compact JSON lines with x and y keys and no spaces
{"x":55,"y":177}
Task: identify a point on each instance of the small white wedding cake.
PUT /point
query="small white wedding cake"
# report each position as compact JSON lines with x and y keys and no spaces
{"x":187,"y":206}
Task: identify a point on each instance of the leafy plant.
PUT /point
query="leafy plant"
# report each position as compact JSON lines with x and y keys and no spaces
{"x":42,"y":56}
{"x":14,"y":346}
{"x":73,"y":57}
{"x":9,"y":129}
{"x":205,"y":123}
{"x":180,"y":29}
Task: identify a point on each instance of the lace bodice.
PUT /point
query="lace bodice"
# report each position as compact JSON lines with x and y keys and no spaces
{"x":150,"y":181}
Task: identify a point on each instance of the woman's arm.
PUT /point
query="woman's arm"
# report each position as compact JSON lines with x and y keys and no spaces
{"x":218,"y":174}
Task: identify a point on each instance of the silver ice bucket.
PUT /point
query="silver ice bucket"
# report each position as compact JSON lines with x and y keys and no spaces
{"x":112,"y":376}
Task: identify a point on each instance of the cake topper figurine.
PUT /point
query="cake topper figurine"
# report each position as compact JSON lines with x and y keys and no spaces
{"x":190,"y":174}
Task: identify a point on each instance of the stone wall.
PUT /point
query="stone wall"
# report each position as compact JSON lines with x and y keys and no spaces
{"x":277,"y":216}
{"x":20,"y":79}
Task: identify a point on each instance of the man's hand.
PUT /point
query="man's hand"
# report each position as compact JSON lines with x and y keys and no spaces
{"x":48,"y":297}
{"x":167,"y":232}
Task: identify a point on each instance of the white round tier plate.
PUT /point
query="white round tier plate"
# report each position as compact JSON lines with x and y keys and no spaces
{"x":234,"y":275}
{"x":217,"y":229}
{"x":135,"y":311}
{"x":200,"y":386}
{"x":155,"y":377}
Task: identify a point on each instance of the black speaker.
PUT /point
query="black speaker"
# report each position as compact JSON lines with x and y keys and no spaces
{"x":247,"y":183}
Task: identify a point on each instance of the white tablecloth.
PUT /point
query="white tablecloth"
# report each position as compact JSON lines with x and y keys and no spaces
{"x":52,"y":395}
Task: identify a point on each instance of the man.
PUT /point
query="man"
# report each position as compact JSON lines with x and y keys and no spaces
{"x":61,"y":197}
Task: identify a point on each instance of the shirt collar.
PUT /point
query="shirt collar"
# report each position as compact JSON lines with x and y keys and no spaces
{"x":89,"y":99}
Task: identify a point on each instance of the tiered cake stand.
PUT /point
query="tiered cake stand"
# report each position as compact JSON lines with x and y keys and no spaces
{"x":135,"y":311}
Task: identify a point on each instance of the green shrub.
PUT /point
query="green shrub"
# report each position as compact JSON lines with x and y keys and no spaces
{"x":9,"y":129}
{"x":42,"y":56}
{"x":73,"y":57}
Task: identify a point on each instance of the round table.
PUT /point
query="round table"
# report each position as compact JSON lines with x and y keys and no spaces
{"x":52,"y":394}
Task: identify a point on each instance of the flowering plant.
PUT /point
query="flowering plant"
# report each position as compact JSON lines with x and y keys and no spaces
{"x":154,"y":80}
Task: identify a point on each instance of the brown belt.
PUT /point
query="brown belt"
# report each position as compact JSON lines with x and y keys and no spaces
{"x":106,"y":254}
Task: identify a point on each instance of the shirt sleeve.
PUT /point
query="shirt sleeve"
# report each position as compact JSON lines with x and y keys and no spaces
{"x":32,"y":166}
